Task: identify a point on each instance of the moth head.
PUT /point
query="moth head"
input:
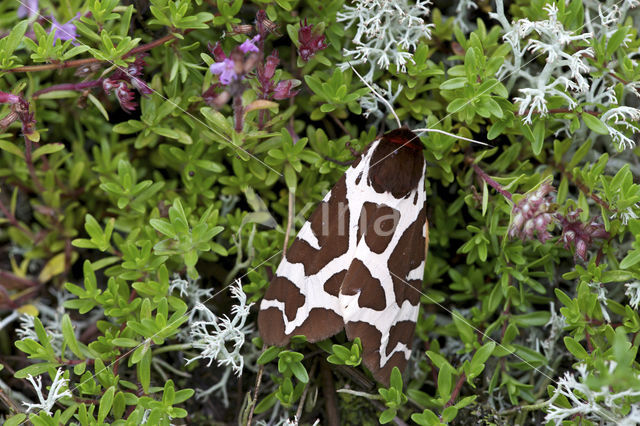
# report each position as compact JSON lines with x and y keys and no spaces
{"x":404,"y":138}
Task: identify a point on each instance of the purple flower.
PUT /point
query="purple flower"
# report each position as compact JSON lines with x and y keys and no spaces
{"x":30,"y":9}
{"x":64,"y":32}
{"x":249,"y":45}
{"x":225,"y":70}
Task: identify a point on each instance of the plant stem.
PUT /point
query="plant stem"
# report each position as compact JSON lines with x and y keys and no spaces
{"x":32,"y":169}
{"x":255,"y":391}
{"x":456,"y":390}
{"x":495,"y":185}
{"x":238,"y":113}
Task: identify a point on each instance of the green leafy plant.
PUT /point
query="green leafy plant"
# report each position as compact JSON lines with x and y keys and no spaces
{"x":156,"y":161}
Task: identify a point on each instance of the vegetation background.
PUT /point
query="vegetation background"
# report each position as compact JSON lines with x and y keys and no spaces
{"x":157,"y":155}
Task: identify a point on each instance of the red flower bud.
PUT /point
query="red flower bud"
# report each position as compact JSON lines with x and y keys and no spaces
{"x":217,"y":52}
{"x":310,"y":43}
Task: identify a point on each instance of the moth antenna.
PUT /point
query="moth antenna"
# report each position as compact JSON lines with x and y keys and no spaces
{"x":452,"y":135}
{"x":378,"y":95}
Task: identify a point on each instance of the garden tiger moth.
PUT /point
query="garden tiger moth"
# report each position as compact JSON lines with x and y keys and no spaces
{"x":366,"y":279}
{"x":351,"y":261}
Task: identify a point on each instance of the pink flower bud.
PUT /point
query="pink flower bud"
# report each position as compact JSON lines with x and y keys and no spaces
{"x":9,"y":98}
{"x":270,"y":68}
{"x":283,"y":90}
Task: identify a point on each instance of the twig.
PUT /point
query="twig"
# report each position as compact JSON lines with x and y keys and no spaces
{"x":238,"y":112}
{"x":12,"y":282}
{"x":369,"y":396}
{"x":397,"y":420}
{"x":11,"y":405}
{"x":338,"y":162}
{"x":303,"y":397}
{"x":255,"y":391}
{"x":456,"y":391}
{"x":32,"y":169}
{"x":26,"y":295}
{"x":516,"y":410}
{"x":340,"y":124}
{"x":329,"y":392}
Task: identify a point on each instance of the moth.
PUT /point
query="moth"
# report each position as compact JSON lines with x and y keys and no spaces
{"x":357,"y":264}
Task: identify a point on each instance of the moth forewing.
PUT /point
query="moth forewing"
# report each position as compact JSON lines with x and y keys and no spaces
{"x":362,"y":277}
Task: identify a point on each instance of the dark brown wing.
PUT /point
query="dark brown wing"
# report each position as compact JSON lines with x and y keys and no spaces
{"x":380,"y":294}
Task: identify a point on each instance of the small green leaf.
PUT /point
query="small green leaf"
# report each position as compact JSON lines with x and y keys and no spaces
{"x":575,"y":348}
{"x":453,"y":83}
{"x":70,"y":337}
{"x":595,"y":124}
{"x":16,"y":420}
{"x":105,"y":404}
{"x":538,"y":136}
{"x":49,"y":148}
{"x":11,"y":148}
{"x":387,"y":415}
{"x":631,"y":259}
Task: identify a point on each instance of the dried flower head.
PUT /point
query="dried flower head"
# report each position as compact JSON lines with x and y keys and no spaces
{"x":532,"y":214}
{"x":578,"y":234}
{"x":121,"y":81}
